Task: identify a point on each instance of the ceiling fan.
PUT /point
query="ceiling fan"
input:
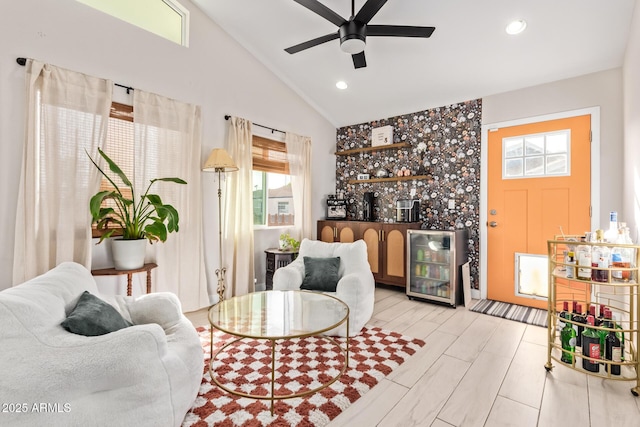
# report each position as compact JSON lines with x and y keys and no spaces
{"x":354,"y":31}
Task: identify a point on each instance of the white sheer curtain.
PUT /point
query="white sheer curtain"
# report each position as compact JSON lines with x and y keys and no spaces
{"x":67,"y":113}
{"x":167,"y":137}
{"x":238,"y":234}
{"x":299,"y":158}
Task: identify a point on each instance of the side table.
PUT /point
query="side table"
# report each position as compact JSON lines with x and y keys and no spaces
{"x":276,"y":259}
{"x":113,"y":272}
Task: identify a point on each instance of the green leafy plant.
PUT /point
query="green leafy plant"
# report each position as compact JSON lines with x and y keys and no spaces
{"x":145,"y":217}
{"x":289,"y":242}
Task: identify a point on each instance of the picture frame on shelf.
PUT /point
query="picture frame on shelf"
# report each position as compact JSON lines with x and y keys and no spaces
{"x":381,"y":136}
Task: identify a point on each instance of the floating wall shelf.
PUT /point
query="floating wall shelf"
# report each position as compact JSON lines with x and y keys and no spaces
{"x":393,"y":178}
{"x":378,"y":148}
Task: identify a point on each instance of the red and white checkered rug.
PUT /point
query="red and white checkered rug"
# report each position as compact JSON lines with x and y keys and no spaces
{"x":300,"y":365}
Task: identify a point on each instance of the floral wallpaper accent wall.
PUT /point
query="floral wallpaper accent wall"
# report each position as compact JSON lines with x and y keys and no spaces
{"x":444,"y":155}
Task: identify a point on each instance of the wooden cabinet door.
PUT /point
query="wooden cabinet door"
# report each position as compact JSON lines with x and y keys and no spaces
{"x":394,"y":253}
{"x":327,"y":231}
{"x":347,"y":232}
{"x":370,"y":233}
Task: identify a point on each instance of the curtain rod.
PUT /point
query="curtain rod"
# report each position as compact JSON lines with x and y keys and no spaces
{"x":227,"y":117}
{"x":23,"y":62}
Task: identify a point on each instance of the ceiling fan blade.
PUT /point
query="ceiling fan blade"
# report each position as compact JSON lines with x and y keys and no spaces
{"x":322,"y":10}
{"x":311,"y":43}
{"x":399,"y":31}
{"x":359,"y":60}
{"x":368,"y":11}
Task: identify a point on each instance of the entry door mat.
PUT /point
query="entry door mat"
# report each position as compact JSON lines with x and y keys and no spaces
{"x":519,"y":313}
{"x":373,"y":354}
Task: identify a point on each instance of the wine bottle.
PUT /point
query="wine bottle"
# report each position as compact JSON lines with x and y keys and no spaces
{"x":580,"y":320}
{"x":613,"y":351}
{"x":563,"y":315}
{"x":600,"y":318}
{"x":568,"y":341}
{"x":590,"y":347}
{"x":619,"y":333}
{"x":602,"y":333}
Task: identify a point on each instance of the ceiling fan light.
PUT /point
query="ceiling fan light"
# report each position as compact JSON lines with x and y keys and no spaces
{"x":353,"y":46}
{"x":516,"y":27}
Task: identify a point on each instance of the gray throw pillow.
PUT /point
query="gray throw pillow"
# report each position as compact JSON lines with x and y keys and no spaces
{"x":93,"y":316}
{"x":321,"y":274}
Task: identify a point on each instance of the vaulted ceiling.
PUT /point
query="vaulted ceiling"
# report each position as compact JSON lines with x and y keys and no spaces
{"x":468,"y":56}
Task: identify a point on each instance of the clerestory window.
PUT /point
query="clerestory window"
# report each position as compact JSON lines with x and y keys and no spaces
{"x":165,"y":18}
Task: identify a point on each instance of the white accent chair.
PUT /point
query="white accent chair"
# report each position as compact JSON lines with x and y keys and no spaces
{"x":143,"y":375}
{"x":356,"y":286}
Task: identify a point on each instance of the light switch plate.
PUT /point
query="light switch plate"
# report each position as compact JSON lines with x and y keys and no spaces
{"x":452,"y":204}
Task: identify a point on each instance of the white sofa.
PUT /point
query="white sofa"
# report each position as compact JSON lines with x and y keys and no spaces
{"x":144,"y":375}
{"x":356,"y":286}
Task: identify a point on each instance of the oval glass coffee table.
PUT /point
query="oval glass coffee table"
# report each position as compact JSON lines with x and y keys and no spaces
{"x":274,"y":316}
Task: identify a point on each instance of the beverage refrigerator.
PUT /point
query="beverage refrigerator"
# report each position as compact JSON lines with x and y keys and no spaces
{"x":434,"y":264}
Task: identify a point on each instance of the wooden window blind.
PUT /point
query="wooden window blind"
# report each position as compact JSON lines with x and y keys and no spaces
{"x":269,"y":155}
{"x":119,"y":146}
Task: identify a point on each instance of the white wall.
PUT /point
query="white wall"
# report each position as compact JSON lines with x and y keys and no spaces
{"x":603,"y":89}
{"x":631,"y":71}
{"x":214,"y":72}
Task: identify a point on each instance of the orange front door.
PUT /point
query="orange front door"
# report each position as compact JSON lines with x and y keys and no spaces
{"x":531,"y":199}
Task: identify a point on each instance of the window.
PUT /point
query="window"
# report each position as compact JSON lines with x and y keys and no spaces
{"x":272,"y":195}
{"x":119,"y":146}
{"x":537,"y":155}
{"x":165,"y":18}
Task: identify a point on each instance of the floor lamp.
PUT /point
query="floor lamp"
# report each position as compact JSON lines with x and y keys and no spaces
{"x":220,"y":161}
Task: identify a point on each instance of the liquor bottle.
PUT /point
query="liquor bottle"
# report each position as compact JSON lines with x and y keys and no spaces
{"x":613,"y":352}
{"x":571,"y":269}
{"x":611,"y":235}
{"x":622,"y":256}
{"x":580,"y":320}
{"x":600,"y":257}
{"x":583,"y":255}
{"x":568,"y":341}
{"x":592,"y":312}
{"x":590,"y":347}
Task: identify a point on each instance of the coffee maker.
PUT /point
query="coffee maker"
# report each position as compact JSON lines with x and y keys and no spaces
{"x":368,"y":206}
{"x":407,"y":210}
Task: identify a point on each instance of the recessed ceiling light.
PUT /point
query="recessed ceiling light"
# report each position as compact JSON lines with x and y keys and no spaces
{"x":341,"y":85}
{"x":516,"y":27}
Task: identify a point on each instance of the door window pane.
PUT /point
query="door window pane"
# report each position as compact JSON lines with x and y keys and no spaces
{"x":534,"y":166}
{"x":513,"y":147}
{"x":534,"y":145}
{"x":513,"y":167}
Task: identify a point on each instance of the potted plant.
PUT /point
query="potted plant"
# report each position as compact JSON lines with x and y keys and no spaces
{"x":288,"y":243}
{"x":140,"y":218}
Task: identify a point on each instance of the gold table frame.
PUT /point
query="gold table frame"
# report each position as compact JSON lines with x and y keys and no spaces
{"x":241,"y":336}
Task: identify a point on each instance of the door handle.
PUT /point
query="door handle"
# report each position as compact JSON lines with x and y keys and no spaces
{"x":493,"y":224}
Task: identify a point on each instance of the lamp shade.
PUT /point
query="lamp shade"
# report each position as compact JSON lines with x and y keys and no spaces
{"x":219,"y":161}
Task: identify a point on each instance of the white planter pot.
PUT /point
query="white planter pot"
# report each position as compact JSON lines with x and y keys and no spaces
{"x":128,"y":254}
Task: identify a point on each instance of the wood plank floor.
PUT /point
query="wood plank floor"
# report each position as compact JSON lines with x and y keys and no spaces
{"x":478,"y":370}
